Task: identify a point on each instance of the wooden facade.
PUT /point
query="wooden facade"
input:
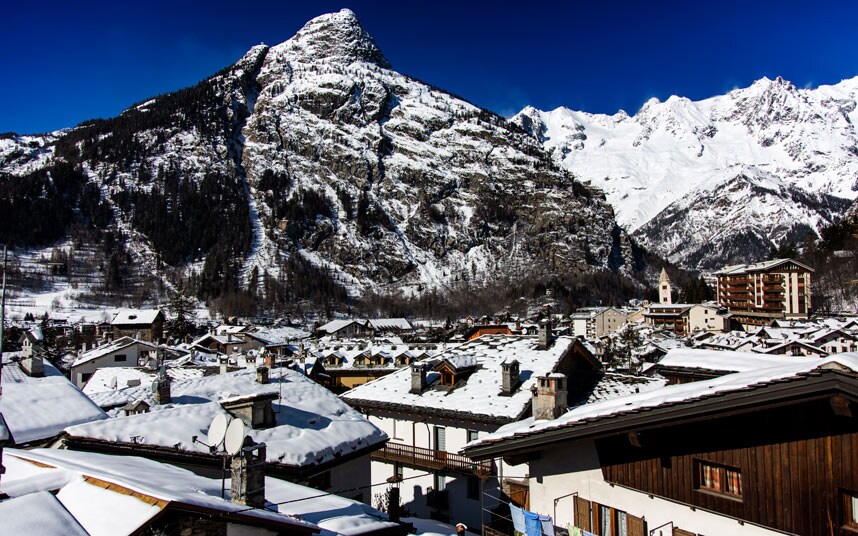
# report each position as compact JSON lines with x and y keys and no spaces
{"x":797,"y":464}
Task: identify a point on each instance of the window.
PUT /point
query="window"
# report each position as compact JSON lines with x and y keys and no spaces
{"x":473,"y":435}
{"x":440,"y":438}
{"x":120,"y":357}
{"x":850,"y":509}
{"x":720,"y":479}
{"x":440,"y":482}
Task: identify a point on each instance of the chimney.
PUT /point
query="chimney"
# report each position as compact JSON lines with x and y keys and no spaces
{"x":418,"y":378}
{"x":269,"y":360}
{"x":509,"y":377}
{"x":262,"y":375}
{"x":256,"y":411}
{"x":224,"y":364}
{"x":247,"y":472}
{"x":544,"y":335}
{"x":33,"y":366}
{"x":161,"y":387}
{"x":549,"y":396}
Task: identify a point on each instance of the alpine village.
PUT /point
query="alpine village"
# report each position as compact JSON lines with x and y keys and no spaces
{"x":313,"y":295}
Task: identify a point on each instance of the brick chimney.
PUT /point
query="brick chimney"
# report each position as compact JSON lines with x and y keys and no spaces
{"x":509,"y":377}
{"x":247,"y":473}
{"x":544,"y":335}
{"x":262,"y":375}
{"x":418,"y":378}
{"x":549,"y":396}
{"x":269,"y":360}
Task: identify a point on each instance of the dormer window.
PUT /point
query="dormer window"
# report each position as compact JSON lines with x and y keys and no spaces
{"x":447,"y":377}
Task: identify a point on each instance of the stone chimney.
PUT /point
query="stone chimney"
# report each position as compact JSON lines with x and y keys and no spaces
{"x":256,"y":411}
{"x":544,"y":335}
{"x":418,"y":378}
{"x":223,"y":361}
{"x":549,"y":396}
{"x":247,"y":473}
{"x":509,"y":377}
{"x":33,"y":366}
{"x":262,"y":375}
{"x":162,"y":390}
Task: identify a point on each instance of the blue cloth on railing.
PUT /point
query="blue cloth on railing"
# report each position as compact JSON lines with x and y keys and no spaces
{"x":517,"y":518}
{"x":547,"y":525}
{"x":532,"y":524}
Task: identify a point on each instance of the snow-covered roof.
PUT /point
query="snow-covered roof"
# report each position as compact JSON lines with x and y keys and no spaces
{"x":390,"y":323}
{"x":335,"y":325}
{"x":38,"y":513}
{"x":105,"y":349}
{"x":480,"y":393}
{"x":335,"y":515}
{"x":613,"y":385}
{"x":135,"y":317}
{"x":759,"y":267}
{"x":725,"y":361}
{"x":670,"y":395}
{"x":102,"y":379}
{"x":119,"y":494}
{"x":313,"y":426}
{"x":36,"y":409}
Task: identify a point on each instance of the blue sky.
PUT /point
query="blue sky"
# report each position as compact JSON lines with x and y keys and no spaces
{"x":65,"y":62}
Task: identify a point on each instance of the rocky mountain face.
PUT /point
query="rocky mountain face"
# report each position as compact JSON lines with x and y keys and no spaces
{"x":311,"y":167}
{"x":717,"y":181}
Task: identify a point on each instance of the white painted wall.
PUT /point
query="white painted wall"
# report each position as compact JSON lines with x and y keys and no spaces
{"x":575,"y":468}
{"x":418,"y":481}
{"x":131,"y":352}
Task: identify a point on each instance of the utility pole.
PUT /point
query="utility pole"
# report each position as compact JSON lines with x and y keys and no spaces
{"x":2,"y":318}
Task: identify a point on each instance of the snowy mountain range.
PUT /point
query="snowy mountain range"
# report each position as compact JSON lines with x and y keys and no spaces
{"x":719,"y":180}
{"x":313,"y":161}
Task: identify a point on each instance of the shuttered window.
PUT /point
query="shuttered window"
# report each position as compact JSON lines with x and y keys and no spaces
{"x":605,"y":520}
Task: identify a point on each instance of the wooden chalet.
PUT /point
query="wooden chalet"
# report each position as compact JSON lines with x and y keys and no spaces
{"x":770,"y":451}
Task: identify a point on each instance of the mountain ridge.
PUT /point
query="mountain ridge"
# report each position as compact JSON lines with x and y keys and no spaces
{"x":309,"y":170}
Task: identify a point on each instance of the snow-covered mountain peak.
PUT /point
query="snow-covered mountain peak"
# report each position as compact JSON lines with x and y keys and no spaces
{"x":334,"y":37}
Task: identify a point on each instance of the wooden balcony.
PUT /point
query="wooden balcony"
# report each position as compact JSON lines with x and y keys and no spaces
{"x":435,"y":460}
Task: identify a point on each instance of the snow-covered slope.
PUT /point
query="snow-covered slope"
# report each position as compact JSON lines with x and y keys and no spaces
{"x":314,"y":155}
{"x":678,"y":154}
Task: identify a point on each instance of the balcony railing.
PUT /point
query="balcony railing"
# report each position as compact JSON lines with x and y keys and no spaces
{"x":437,"y":460}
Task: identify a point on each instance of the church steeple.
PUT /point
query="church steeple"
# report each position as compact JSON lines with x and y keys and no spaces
{"x":664,"y":288}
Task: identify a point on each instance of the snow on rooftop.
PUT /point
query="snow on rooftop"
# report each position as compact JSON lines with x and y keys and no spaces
{"x":335,"y":325}
{"x":40,"y":408}
{"x":479,"y":395}
{"x":105,"y":349}
{"x":102,"y":379}
{"x":334,"y":514}
{"x":108,"y":511}
{"x":135,"y":316}
{"x":726,"y":360}
{"x":614,"y":385}
{"x":313,"y":425}
{"x":40,"y":514}
{"x":670,"y":394}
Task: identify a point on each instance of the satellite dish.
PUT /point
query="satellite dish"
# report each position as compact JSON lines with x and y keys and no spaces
{"x":217,"y":429}
{"x":113,"y":383}
{"x":154,"y":386}
{"x":234,"y":437}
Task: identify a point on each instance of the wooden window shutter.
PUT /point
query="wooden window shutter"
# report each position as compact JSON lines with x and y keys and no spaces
{"x":582,"y":513}
{"x":635,"y":526}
